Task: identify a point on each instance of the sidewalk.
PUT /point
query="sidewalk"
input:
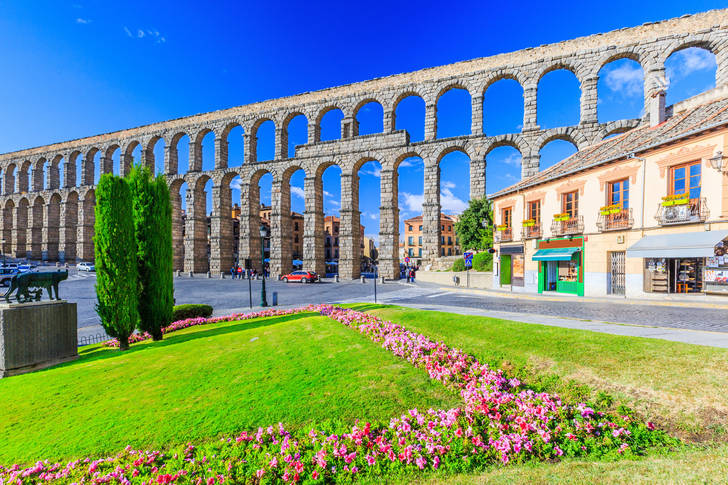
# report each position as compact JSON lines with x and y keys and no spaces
{"x":685,"y":301}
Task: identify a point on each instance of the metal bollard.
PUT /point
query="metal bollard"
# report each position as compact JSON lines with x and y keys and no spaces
{"x":363,"y":280}
{"x":190,"y":274}
{"x":209,"y":275}
{"x":336,"y":278}
{"x":275,"y":298}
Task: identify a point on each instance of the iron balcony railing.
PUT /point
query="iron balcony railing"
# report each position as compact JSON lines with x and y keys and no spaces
{"x":531,"y":232}
{"x":614,"y":221}
{"x":504,"y":235}
{"x":575,"y":225}
{"x":696,"y":210}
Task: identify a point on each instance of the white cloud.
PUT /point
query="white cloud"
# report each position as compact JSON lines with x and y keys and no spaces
{"x":83,"y":21}
{"x":627,"y":79}
{"x":513,"y":159}
{"x":412,"y":202}
{"x":128,"y":32}
{"x":236,"y":184}
{"x":450,"y":203}
{"x":297,"y":191}
{"x":374,"y":171}
{"x":334,"y":202}
{"x":685,"y":62}
{"x":410,"y":162}
{"x":142,"y":33}
{"x":328,"y":194}
{"x":448,"y":185}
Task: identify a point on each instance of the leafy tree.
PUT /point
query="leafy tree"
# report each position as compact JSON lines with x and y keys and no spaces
{"x":469,"y":228}
{"x":153,"y":233}
{"x":115,"y":253}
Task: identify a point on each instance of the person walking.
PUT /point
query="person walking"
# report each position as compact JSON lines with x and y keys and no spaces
{"x":412,"y":275}
{"x":240,"y":272}
{"x":232,"y":272}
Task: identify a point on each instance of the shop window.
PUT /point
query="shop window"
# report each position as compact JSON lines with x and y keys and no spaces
{"x":570,"y":203}
{"x":685,"y":179}
{"x":619,"y":193}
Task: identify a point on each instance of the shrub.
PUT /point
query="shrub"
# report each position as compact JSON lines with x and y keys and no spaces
{"x":153,"y":234}
{"x":115,"y":253}
{"x":483,"y":261}
{"x":191,"y":310}
{"x":458,"y":265}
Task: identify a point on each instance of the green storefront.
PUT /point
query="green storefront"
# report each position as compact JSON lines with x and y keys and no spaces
{"x":561,"y":266}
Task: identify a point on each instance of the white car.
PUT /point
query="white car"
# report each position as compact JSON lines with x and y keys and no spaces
{"x":85,"y":267}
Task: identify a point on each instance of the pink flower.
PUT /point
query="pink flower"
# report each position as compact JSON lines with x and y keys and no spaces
{"x":315,"y":475}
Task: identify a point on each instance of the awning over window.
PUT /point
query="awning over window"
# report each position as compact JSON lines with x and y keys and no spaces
{"x":555,"y":254}
{"x":679,"y":245}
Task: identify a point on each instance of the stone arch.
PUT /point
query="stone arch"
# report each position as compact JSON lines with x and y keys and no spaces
{"x":375,"y":119}
{"x":107,"y":161}
{"x":285,"y":132}
{"x":54,"y":173}
{"x":254,"y":147}
{"x":21,"y":229}
{"x":199,"y":159}
{"x":7,"y":228}
{"x":682,"y":44}
{"x":616,"y":127}
{"x":86,"y":220}
{"x":573,"y":87}
{"x":51,"y":236}
{"x":320,"y":118}
{"x":446,"y":101}
{"x":505,"y":168}
{"x":69,"y":224}
{"x":73,"y":170}
{"x":407,"y":94}
{"x":127,"y":156}
{"x":178,"y":246}
{"x":149,"y":159}
{"x":9,"y":182}
{"x":38,"y":175}
{"x":224,"y":144}
{"x":572,"y":65}
{"x":36,"y":228}
{"x":564,"y":135}
{"x":500,"y":75}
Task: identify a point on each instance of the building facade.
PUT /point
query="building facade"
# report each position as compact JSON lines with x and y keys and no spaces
{"x":643,"y":212}
{"x":413,"y":245}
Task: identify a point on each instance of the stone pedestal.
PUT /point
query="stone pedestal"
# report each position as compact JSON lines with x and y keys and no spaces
{"x":36,"y":335}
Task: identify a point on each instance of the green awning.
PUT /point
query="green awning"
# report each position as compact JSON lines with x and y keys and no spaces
{"x":555,"y":254}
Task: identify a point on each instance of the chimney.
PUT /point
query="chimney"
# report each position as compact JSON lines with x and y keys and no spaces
{"x":657,"y":108}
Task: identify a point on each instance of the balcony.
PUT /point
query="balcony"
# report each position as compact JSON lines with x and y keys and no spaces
{"x":682,"y":211}
{"x":568,"y":227}
{"x":503,"y":235}
{"x":615,"y":219}
{"x":531,"y":232}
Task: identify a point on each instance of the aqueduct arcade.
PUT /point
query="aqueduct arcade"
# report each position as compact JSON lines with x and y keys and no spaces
{"x":47,"y":203}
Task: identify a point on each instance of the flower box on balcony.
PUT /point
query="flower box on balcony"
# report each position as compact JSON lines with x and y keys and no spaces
{"x":529,"y":223}
{"x":562,"y":217}
{"x":502,"y":227}
{"x":680,"y":199}
{"x":610,"y":209}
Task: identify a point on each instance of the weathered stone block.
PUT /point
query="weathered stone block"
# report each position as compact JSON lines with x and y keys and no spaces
{"x":36,"y":335}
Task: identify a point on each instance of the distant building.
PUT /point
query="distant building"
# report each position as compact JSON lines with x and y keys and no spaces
{"x":412,"y":245}
{"x":331,"y":244}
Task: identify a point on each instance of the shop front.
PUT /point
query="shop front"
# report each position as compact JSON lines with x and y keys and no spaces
{"x":561,"y":266}
{"x":693,"y":262}
{"x":511,"y":266}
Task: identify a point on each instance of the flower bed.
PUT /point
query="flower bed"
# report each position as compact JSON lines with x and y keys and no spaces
{"x":499,"y":422}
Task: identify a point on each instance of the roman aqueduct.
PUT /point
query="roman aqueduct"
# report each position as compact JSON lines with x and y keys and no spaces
{"x":42,"y":219}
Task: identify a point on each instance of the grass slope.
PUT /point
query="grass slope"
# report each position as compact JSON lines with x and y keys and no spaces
{"x":681,"y":386}
{"x":204,"y":381}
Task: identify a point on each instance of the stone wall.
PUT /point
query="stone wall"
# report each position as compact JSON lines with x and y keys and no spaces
{"x":41,"y":219}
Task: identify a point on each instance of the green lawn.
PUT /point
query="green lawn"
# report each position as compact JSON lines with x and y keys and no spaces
{"x":680,"y":386}
{"x":204,"y":381}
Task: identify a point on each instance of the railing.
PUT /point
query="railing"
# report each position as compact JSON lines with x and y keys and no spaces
{"x":614,"y":221}
{"x":696,"y":210}
{"x":92,"y":339}
{"x":504,"y":235}
{"x":531,"y":232}
{"x":575,"y":225}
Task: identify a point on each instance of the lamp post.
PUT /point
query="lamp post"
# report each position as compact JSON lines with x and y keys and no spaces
{"x":263,"y":236}
{"x":717,"y":161}
{"x":3,"y":243}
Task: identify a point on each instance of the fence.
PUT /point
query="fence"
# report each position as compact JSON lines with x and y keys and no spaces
{"x":92,"y":339}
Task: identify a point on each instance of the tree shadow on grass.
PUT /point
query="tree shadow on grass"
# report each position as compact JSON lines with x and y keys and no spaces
{"x":174,"y":338}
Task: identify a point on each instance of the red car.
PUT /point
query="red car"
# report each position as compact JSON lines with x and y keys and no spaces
{"x":302,"y":276}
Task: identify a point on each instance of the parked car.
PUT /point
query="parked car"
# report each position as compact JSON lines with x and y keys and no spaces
{"x":302,"y":276}
{"x":85,"y":267}
{"x":6,"y":274}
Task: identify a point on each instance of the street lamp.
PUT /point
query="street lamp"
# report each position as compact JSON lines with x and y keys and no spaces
{"x":263,"y":236}
{"x":3,"y":243}
{"x":717,"y":161}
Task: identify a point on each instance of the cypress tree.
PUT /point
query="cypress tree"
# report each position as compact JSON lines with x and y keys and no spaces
{"x":115,"y":254}
{"x":153,"y":234}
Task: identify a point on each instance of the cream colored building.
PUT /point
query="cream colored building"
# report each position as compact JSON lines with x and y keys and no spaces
{"x":644,"y":211}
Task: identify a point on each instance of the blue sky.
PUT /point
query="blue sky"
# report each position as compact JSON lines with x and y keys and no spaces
{"x":79,"y":68}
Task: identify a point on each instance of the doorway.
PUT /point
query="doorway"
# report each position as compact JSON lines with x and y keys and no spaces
{"x":616,"y":273}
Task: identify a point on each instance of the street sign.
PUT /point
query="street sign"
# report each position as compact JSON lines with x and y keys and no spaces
{"x":468,"y":257}
{"x":406,"y":259}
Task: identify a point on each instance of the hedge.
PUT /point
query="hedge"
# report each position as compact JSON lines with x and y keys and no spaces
{"x":191,"y":310}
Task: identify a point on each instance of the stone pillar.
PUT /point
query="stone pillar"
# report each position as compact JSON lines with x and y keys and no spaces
{"x":19,"y":231}
{"x":36,"y":231}
{"x":477,"y":178}
{"x":7,"y":229}
{"x":281,"y":261}
{"x":69,"y":172}
{"x":126,"y":160}
{"x":178,"y":242}
{"x":349,"y":233}
{"x":148,"y":159}
{"x":249,"y":243}
{"x":349,"y":127}
{"x":87,"y":171}
{"x":67,"y":231}
{"x":530,"y":107}
{"x":85,"y":234}
{"x":196,"y":233}
{"x":51,"y":230}
{"x":281,"y":143}
{"x":314,"y":132}
{"x":430,"y":122}
{"x":314,"y":258}
{"x":589,"y":99}
{"x":388,"y":225}
{"x":721,"y":71}
{"x":9,"y":186}
{"x":37,"y":178}
{"x":106,"y":165}
{"x":530,"y":165}
{"x":250,"y":152}
{"x":195,"y":164}
{"x":655,"y":88}
{"x":171,"y":160}
{"x":216,"y":249}
{"x":476,"y":124}
{"x":221,"y":153}
{"x":54,"y":176}
{"x":431,"y":213}
{"x":388,"y":121}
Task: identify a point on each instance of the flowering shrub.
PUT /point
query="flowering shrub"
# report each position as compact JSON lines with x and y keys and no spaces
{"x":499,"y":422}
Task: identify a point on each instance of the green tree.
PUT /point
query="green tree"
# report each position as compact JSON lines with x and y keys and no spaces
{"x":115,"y":254}
{"x":469,"y":228}
{"x":153,"y":234}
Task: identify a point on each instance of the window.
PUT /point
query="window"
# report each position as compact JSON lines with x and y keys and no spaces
{"x":419,"y":240}
{"x":411,"y":240}
{"x":296,"y":238}
{"x":506,"y":216}
{"x":618,"y":193}
{"x":449,"y":251}
{"x":533,"y":211}
{"x":685,"y":179}
{"x":442,"y":240}
{"x":570,"y":203}
{"x":419,"y":253}
{"x":420,"y":227}
{"x":336,"y":228}
{"x":410,"y":228}
{"x":336,"y":254}
{"x":328,"y":254}
{"x":410,"y":252}
{"x":443,"y":227}
{"x":449,"y":239}
{"x":336,"y":243}
{"x":295,"y":227}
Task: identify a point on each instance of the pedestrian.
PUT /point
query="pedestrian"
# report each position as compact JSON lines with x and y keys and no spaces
{"x":232,"y":271}
{"x":240,"y":272}
{"x":412,"y":275}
